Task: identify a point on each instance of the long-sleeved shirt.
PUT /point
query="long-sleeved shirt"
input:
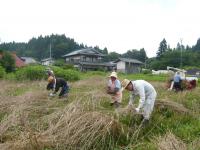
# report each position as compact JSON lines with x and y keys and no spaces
{"x":114,"y":86}
{"x":143,"y":89}
{"x":55,"y":86}
{"x":177,"y":78}
{"x":60,"y":83}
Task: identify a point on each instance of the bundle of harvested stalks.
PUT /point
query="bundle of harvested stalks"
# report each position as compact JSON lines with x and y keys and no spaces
{"x":130,"y":109}
{"x":75,"y":128}
{"x":170,"y":142}
{"x":172,"y":105}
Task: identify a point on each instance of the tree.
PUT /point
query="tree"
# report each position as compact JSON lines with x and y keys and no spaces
{"x":105,"y":51}
{"x":113,"y":56}
{"x":142,"y":56}
{"x":162,"y":48}
{"x":8,"y":62}
{"x":197,"y":46}
{"x":180,"y":47}
{"x":135,"y":54}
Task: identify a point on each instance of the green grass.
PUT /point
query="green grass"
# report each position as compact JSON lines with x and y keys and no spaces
{"x":2,"y":115}
{"x":148,"y":77}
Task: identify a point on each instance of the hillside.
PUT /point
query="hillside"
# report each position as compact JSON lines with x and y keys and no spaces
{"x":30,"y":120}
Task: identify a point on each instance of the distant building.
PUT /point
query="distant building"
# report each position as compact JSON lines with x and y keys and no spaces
{"x":28,"y":60}
{"x":88,"y":59}
{"x":47,"y":61}
{"x":127,"y":65}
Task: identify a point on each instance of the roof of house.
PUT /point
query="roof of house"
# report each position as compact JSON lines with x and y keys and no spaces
{"x":86,"y":51}
{"x":47,"y":59}
{"x":18,"y":62}
{"x":28,"y":60}
{"x":135,"y":61}
{"x":108,"y":64}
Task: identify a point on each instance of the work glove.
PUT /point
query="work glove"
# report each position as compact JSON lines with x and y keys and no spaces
{"x":130,"y":103}
{"x":137,"y":110}
{"x":51,"y":94}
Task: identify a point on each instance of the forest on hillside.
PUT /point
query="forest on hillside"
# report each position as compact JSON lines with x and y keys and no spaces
{"x":181,"y":56}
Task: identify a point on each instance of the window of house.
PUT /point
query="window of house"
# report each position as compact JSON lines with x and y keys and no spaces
{"x":84,"y":58}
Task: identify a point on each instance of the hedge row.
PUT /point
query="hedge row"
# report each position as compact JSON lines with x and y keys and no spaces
{"x":2,"y":72}
{"x":39,"y":72}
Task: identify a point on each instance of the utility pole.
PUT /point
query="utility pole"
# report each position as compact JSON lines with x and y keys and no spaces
{"x":50,"y":50}
{"x":50,"y":57}
{"x":181,"y":63}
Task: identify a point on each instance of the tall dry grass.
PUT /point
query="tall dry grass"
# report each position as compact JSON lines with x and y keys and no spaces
{"x":26,"y":125}
{"x":30,"y":120}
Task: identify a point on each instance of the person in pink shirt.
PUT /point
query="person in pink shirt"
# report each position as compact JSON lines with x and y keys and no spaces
{"x":114,"y":89}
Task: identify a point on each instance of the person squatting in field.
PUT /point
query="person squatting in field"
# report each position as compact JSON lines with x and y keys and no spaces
{"x":55,"y":84}
{"x":114,"y":89}
{"x":147,"y":95}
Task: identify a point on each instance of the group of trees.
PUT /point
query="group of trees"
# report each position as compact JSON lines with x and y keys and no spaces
{"x":180,"y":57}
{"x":39,"y":47}
{"x":133,"y":54}
{"x":60,"y":45}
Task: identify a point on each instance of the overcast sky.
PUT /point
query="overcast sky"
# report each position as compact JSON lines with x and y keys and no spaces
{"x":119,"y":25}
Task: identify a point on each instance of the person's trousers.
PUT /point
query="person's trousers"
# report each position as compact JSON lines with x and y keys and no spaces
{"x":149,"y":105}
{"x":64,"y":90}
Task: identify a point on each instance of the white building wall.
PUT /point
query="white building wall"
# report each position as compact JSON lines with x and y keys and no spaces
{"x":121,"y":66}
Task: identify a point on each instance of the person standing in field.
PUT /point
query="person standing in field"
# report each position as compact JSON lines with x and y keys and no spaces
{"x":177,"y":82}
{"x":114,"y":89}
{"x":147,"y":95}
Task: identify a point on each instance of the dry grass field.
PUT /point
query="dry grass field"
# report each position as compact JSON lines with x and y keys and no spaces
{"x":30,"y":120}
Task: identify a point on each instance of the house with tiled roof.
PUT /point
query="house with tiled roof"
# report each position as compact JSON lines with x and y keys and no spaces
{"x":88,"y":59}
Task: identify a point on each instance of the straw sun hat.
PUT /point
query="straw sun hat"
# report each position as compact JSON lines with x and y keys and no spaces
{"x":113,"y":74}
{"x":50,"y":79}
{"x":125,"y":83}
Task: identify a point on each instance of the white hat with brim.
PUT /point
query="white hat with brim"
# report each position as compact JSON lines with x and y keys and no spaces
{"x":113,"y":74}
{"x":125,"y":83}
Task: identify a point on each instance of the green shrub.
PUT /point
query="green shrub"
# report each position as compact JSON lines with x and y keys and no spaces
{"x":2,"y":72}
{"x":61,"y":63}
{"x":69,"y":74}
{"x":8,"y":61}
{"x":39,"y":72}
{"x":146,"y":71}
{"x":31,"y":73}
{"x":10,"y":76}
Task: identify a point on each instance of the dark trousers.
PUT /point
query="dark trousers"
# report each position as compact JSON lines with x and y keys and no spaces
{"x":177,"y":86}
{"x":64,"y":90}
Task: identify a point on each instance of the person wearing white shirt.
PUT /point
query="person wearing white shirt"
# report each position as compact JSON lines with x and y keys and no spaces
{"x":147,"y":95}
